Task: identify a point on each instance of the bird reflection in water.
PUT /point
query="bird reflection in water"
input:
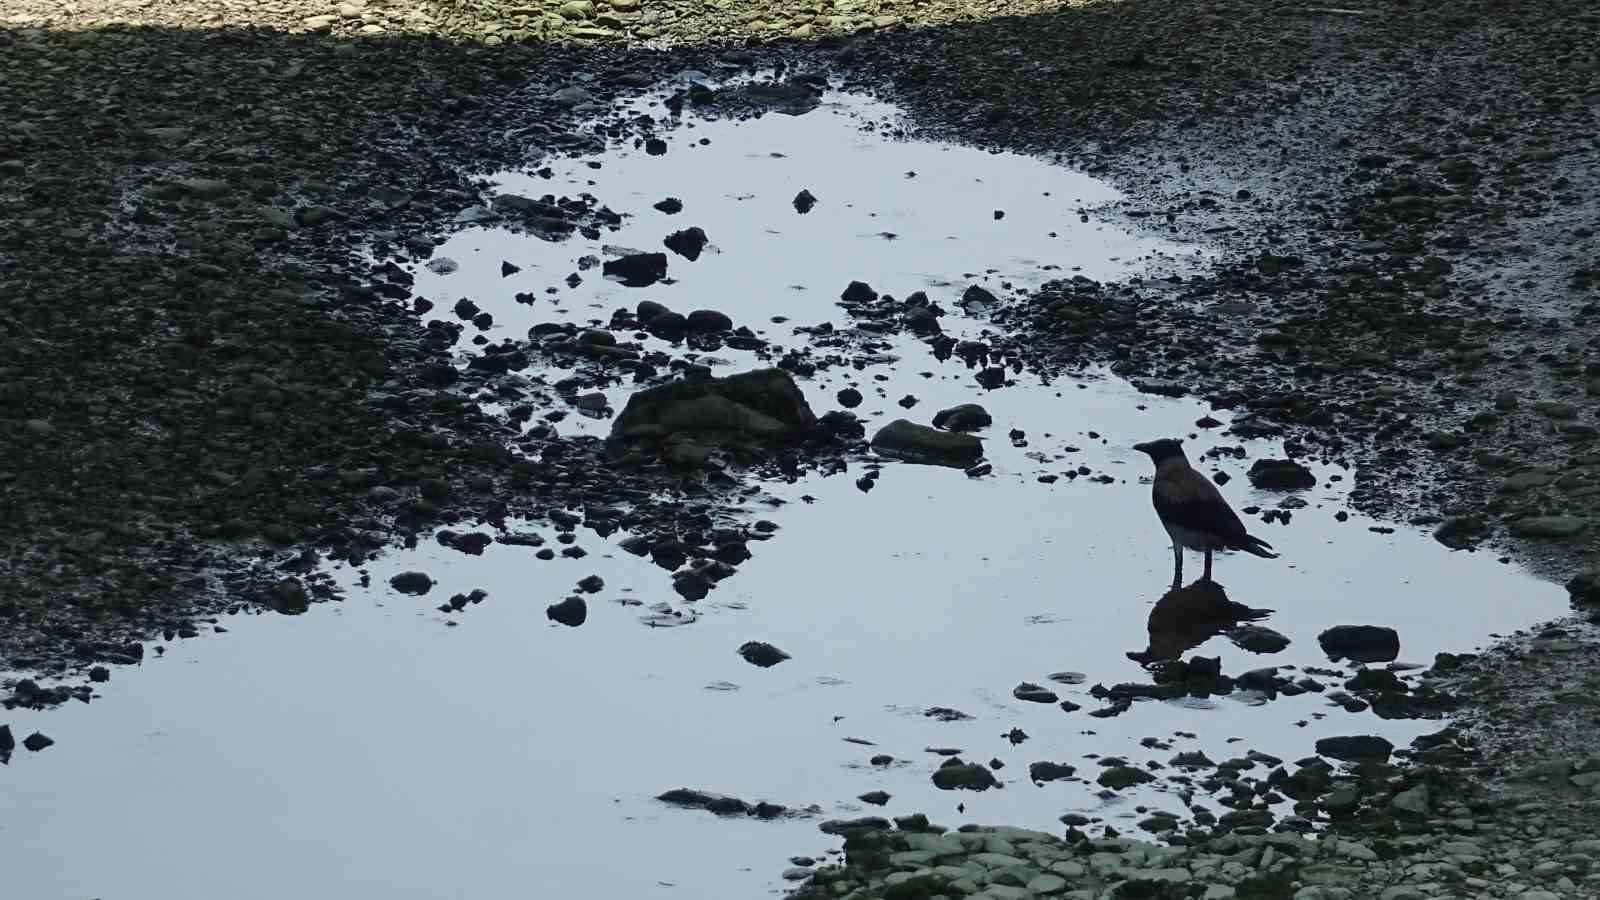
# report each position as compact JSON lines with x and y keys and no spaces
{"x":1186,"y":617}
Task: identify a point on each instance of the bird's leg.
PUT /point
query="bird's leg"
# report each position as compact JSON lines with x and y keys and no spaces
{"x":1207,"y":576}
{"x":1177,"y":566}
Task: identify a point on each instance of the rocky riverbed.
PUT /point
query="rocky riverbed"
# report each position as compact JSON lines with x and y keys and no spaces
{"x":210,"y":394}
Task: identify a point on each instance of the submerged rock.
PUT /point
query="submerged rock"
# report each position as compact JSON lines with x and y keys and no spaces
{"x":1361,"y":643}
{"x":760,"y":405}
{"x":919,"y":443}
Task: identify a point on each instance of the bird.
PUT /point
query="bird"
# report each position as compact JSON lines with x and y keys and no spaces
{"x":1192,"y":510}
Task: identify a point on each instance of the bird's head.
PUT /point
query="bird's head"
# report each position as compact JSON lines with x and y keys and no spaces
{"x":1161,"y":450}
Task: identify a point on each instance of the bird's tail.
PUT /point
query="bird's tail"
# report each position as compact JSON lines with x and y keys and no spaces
{"x":1252,"y":544}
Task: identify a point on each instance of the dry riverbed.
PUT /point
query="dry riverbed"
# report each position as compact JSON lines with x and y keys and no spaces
{"x":204,"y":395}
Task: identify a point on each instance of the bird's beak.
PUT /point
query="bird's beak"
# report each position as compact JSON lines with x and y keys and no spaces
{"x":1142,"y":448}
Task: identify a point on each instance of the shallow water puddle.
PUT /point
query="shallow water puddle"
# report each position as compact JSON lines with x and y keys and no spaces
{"x":371,"y":747}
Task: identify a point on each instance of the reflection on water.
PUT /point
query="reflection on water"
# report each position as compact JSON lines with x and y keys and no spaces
{"x":1186,"y":617}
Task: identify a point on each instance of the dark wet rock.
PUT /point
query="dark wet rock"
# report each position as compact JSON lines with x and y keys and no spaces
{"x":1360,"y":643}
{"x":100,"y":674}
{"x":1033,"y":693}
{"x":649,"y":309}
{"x":655,"y":146}
{"x":466,"y":309}
{"x":591,"y":584}
{"x":669,"y":555}
{"x":842,"y":424}
{"x":992,"y":378}
{"x":417,"y":583}
{"x":922,"y":320}
{"x":571,"y":612}
{"x":472,"y":543}
{"x":669,"y":326}
{"x":976,"y":299}
{"x":945,"y":714}
{"x":1192,"y":759}
{"x":882,"y":759}
{"x":1050,"y":771}
{"x":671,"y":206}
{"x":691,"y":585}
{"x":965,"y":417}
{"x":876,"y":798}
{"x":1281,"y":475}
{"x":1119,"y":777}
{"x":919,"y":443}
{"x":1257,"y":639}
{"x":849,"y":398}
{"x":687,"y":243}
{"x":1342,"y":801}
{"x":761,"y":653}
{"x":957,"y":775}
{"x":637,"y":269}
{"x":1584,"y":588}
{"x":763,"y":405}
{"x":1370,"y":680}
{"x":1355,"y":748}
{"x":708,"y":321}
{"x":36,"y":742}
{"x":288,"y":596}
{"x":858,"y":292}
{"x":804,"y":202}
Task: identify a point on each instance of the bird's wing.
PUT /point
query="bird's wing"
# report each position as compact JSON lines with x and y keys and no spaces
{"x":1189,"y":500}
